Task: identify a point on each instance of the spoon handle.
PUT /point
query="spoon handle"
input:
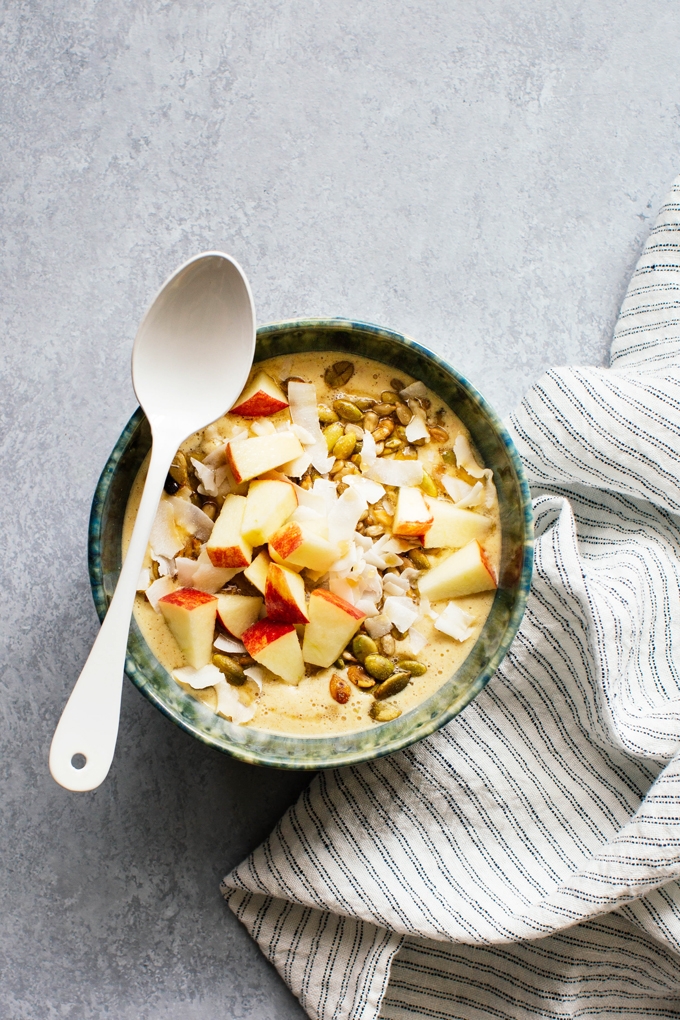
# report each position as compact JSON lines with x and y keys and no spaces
{"x":88,"y":727}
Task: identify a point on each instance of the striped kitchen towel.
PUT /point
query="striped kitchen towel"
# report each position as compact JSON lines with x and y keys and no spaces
{"x":524,"y":861}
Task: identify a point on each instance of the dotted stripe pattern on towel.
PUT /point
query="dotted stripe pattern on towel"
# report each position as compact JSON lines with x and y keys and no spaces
{"x":523,"y":862}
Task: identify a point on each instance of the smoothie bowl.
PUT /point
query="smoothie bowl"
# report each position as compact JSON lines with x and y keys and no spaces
{"x":338,"y":565}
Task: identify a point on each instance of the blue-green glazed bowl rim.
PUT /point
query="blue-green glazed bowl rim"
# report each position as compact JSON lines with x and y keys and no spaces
{"x":289,"y":751}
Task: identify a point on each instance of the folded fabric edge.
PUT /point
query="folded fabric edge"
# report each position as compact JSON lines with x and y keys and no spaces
{"x":338,"y":967}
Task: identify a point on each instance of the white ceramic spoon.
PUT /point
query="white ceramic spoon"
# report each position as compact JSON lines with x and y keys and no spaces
{"x":190,"y":361}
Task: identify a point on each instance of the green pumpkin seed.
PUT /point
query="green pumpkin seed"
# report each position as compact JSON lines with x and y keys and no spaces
{"x":338,"y":374}
{"x":449,"y":457}
{"x":178,"y":469}
{"x":419,"y":559}
{"x":333,"y":433}
{"x":427,"y":485}
{"x":347,"y":410}
{"x":383,"y":409}
{"x":344,"y":447}
{"x":382,"y":711}
{"x":397,"y":385}
{"x":378,"y":666}
{"x":364,"y":403}
{"x":362,"y":646}
{"x":389,"y":397}
{"x":413,"y":667}
{"x":326,"y":414}
{"x":393,"y":685}
{"x":232,"y":671}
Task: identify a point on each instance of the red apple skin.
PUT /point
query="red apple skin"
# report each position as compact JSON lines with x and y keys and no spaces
{"x":487,"y":565}
{"x":286,"y":540}
{"x":347,"y":607}
{"x":188,"y":598}
{"x":263,"y":633}
{"x":260,"y":405}
{"x":232,"y":465}
{"x":227,"y":558}
{"x":279,"y":609}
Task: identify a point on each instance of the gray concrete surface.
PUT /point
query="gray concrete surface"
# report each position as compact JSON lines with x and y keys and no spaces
{"x":480,"y":174}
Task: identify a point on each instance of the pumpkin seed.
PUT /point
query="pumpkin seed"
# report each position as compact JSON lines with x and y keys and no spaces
{"x":404,"y":413}
{"x":359,"y":678}
{"x":347,"y":410}
{"x":340,"y":689}
{"x":333,"y":433}
{"x":178,"y":469}
{"x":427,"y":485}
{"x":232,"y":671}
{"x":449,"y":457}
{"x":364,"y":403}
{"x":338,"y":374}
{"x":362,"y":646}
{"x":394,"y":444}
{"x":388,"y":397}
{"x":356,"y":429}
{"x":381,"y":516}
{"x":384,"y":409}
{"x":438,"y":435}
{"x":382,"y":711}
{"x":413,"y":667}
{"x":393,"y":685}
{"x":371,"y":421}
{"x":344,"y":447}
{"x":397,"y":385}
{"x":210,"y":509}
{"x":419,"y":559}
{"x":378,"y":666}
{"x":290,"y":379}
{"x":326,"y":414}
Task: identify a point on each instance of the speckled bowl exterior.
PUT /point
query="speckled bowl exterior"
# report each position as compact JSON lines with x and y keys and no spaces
{"x":497,"y":451}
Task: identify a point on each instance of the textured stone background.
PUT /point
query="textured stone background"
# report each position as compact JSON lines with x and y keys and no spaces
{"x":479,"y":174}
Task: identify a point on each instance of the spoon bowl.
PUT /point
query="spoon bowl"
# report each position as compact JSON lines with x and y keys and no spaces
{"x":191,"y":359}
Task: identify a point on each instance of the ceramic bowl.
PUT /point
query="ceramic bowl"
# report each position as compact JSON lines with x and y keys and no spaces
{"x":497,"y":451}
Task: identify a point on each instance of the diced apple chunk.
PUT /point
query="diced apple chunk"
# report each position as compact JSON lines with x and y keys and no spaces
{"x":258,"y":570}
{"x":297,"y":545}
{"x":226,"y":546}
{"x":452,"y":528}
{"x":251,"y":457}
{"x":190,"y":616}
{"x":284,"y":596}
{"x":238,"y":612}
{"x":412,"y":516}
{"x":261,"y":397}
{"x":276,"y":646}
{"x":464,"y":572}
{"x":269,"y":504}
{"x":332,"y":623}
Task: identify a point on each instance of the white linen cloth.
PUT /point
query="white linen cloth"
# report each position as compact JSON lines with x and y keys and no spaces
{"x":523,"y":862}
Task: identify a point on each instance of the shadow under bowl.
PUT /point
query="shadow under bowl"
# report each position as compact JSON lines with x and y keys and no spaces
{"x":497,"y":452}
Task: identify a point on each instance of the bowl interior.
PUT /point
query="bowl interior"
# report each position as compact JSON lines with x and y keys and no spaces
{"x":497,"y":452}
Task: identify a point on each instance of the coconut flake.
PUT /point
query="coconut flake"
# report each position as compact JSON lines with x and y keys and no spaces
{"x":304,"y":411}
{"x":144,"y":579}
{"x":474,"y":497}
{"x":305,"y":437}
{"x":263,"y":427}
{"x":227,"y":644}
{"x":230,"y":706}
{"x":378,"y":626}
{"x":191,"y":518}
{"x":456,"y":488}
{"x":186,"y":568}
{"x":165,"y":539}
{"x":166,"y":566}
{"x":156,"y":591}
{"x":396,"y":472}
{"x":416,"y":640}
{"x":416,"y":429}
{"x":466,"y":460}
{"x":199,"y":679}
{"x":344,"y":515}
{"x":368,"y":608}
{"x":401,"y":611}
{"x":207,"y":477}
{"x":256,"y":674}
{"x":372,"y":492}
{"x":217,"y":458}
{"x":398,"y":579}
{"x":415,"y":389}
{"x":455,"y":622}
{"x":368,"y":452}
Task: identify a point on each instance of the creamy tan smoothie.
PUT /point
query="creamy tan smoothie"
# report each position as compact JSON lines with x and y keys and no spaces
{"x":413,"y":611}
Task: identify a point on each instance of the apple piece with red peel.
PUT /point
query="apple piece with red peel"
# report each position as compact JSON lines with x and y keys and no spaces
{"x":284,"y":596}
{"x":190,"y":616}
{"x":464,"y":572}
{"x":226,"y":546}
{"x":452,"y":528}
{"x":332,"y":624}
{"x":238,"y":612}
{"x":412,"y":516}
{"x":269,"y":504}
{"x":258,"y":570}
{"x":276,"y":646}
{"x":261,"y":398}
{"x":251,"y":457}
{"x":296,"y":545}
